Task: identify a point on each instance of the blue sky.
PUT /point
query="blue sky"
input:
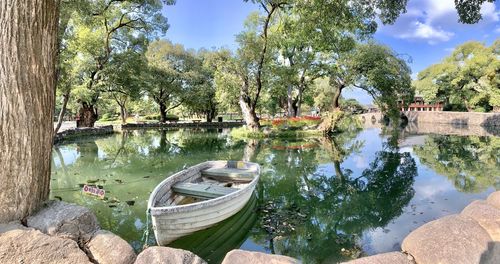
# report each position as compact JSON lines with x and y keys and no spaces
{"x":427,"y":32}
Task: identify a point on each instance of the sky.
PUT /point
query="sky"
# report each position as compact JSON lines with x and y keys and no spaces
{"x":427,"y":32}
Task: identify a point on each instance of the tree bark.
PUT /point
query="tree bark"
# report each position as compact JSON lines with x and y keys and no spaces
{"x":28,"y":48}
{"x":210,"y":115}
{"x":60,"y":118}
{"x":248,"y":109}
{"x":123,"y":113}
{"x":163,"y":112}
{"x":336,"y":97}
{"x":251,"y":119}
{"x":87,"y":115}
{"x":289,"y":101}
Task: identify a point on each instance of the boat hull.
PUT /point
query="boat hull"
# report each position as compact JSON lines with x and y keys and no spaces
{"x":173,"y":222}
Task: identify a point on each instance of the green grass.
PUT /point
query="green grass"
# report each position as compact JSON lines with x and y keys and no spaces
{"x":243,"y":132}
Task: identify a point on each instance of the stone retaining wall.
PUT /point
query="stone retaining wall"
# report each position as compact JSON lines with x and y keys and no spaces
{"x":182,"y":125}
{"x":76,"y":132}
{"x":458,"y":118}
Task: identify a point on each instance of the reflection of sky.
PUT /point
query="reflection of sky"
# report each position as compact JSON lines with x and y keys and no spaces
{"x":68,"y":154}
{"x":141,"y":168}
{"x":435,"y":196}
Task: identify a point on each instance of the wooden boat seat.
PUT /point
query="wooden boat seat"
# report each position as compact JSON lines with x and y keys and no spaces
{"x":202,"y":191}
{"x":229,"y":174}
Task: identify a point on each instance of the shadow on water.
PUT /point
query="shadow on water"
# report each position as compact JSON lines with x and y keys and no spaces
{"x":212,"y":244}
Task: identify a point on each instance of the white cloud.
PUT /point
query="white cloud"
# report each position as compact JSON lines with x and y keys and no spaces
{"x":435,"y":21}
{"x":489,"y":13}
{"x":497,"y":30}
{"x":425,"y":31}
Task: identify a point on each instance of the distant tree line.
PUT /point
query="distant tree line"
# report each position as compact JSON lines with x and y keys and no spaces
{"x":467,"y":80}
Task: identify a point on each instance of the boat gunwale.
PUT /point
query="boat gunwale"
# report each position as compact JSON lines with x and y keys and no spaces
{"x":158,"y":210}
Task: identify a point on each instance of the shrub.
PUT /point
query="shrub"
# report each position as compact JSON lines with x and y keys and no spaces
{"x":152,"y":117}
{"x":108,"y":117}
{"x":157,"y":117}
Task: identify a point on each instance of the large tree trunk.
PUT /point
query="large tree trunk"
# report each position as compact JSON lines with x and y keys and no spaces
{"x":163,"y":112}
{"x":248,"y":108}
{"x":336,"y":97}
{"x":251,"y":119}
{"x":289,"y":101}
{"x":298,"y":104}
{"x":211,"y":115}
{"x":123,"y":113}
{"x":28,"y":47}
{"x":87,"y":115}
{"x":60,"y":118}
{"x":246,"y":103}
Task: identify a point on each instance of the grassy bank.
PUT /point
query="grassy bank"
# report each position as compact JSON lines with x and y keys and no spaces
{"x":243,"y":132}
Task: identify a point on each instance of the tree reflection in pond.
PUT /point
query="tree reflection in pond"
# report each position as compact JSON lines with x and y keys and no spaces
{"x":315,"y":201}
{"x":319,"y":216}
{"x":471,"y":163}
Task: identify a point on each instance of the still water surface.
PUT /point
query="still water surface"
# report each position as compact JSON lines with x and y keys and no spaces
{"x":319,"y":200}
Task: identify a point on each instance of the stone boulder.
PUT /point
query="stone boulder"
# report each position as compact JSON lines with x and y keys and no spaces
{"x":486,"y":215}
{"x":239,"y":256}
{"x":14,"y":225}
{"x":494,"y":199}
{"x":32,"y":246}
{"x":108,"y":248}
{"x":384,"y":258}
{"x":452,"y":239}
{"x":166,"y":255}
{"x":65,"y":220}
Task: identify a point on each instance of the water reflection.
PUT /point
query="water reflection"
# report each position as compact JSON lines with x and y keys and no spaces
{"x":318,"y":213}
{"x":319,"y":200}
{"x":471,"y":163}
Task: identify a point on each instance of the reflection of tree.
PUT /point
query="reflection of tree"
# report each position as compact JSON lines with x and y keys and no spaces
{"x":320,"y":217}
{"x":250,"y":149}
{"x":471,"y":163}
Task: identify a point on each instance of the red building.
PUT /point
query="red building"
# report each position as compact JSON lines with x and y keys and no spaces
{"x":419,"y":104}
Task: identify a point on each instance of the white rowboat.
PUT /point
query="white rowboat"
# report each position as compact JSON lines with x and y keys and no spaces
{"x":199,"y":197}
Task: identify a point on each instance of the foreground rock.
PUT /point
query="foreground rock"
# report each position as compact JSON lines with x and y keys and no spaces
{"x":452,"y":239}
{"x":108,"y":248}
{"x":494,"y":199}
{"x":385,"y":258}
{"x":486,"y":215}
{"x":166,"y":255}
{"x":238,"y":256}
{"x":65,"y":220}
{"x":32,"y":246}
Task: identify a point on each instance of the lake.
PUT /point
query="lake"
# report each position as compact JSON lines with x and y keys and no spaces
{"x":319,"y":200}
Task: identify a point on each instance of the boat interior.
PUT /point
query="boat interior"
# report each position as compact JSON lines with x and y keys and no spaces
{"x":212,"y":183}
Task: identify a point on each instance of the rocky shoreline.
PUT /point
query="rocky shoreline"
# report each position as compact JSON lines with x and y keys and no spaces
{"x":473,"y":236}
{"x":67,"y":233}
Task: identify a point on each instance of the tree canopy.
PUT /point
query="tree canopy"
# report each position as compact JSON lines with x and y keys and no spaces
{"x":469,"y":78}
